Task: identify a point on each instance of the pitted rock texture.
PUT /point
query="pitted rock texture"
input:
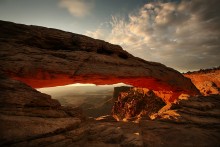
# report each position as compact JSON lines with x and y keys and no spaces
{"x":207,"y":80}
{"x":136,"y":103}
{"x":43,"y":57}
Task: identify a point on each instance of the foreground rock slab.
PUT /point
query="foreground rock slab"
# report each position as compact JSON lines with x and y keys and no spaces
{"x":26,"y":115}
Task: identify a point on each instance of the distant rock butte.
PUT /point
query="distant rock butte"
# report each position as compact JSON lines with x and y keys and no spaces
{"x":43,"y":57}
{"x":207,"y":80}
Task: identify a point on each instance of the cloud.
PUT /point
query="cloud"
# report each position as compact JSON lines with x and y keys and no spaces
{"x":98,"y":33}
{"x":184,"y":35}
{"x":78,"y":8}
{"x":101,"y":32}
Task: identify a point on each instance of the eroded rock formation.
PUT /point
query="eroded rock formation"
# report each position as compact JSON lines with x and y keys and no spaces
{"x":43,"y":57}
{"x":207,"y":81}
{"x":31,"y":118}
{"x":136,"y":103}
{"x":200,"y":110}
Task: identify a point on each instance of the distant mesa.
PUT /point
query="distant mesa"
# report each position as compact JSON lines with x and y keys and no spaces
{"x":44,"y":57}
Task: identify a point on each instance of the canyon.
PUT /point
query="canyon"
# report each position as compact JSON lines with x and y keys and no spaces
{"x":163,"y":108}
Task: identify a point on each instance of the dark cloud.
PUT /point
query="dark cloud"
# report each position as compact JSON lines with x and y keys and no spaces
{"x":184,"y":35}
{"x":207,"y":9}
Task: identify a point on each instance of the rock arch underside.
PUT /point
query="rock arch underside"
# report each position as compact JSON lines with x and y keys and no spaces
{"x":43,"y":57}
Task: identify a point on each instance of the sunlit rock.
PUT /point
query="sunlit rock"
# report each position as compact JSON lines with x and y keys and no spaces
{"x":136,"y":103}
{"x":207,"y":81}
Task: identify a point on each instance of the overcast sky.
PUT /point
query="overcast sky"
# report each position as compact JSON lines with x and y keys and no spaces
{"x":182,"y":34}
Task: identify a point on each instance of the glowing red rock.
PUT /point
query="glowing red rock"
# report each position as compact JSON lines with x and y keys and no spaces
{"x":161,"y":89}
{"x":207,"y":81}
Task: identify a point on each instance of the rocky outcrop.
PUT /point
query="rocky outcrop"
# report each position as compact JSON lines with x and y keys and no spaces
{"x":207,"y":80}
{"x":191,"y":121}
{"x":31,"y":118}
{"x":201,"y":110}
{"x":118,"y":90}
{"x":197,"y":117}
{"x":136,"y":103}
{"x":43,"y":57}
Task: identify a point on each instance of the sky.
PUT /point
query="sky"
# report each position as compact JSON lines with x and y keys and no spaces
{"x":182,"y":34}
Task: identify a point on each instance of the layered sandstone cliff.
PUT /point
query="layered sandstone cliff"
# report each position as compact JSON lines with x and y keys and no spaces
{"x":207,"y":80}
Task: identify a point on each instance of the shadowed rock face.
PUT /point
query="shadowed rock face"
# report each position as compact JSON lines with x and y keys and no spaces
{"x":26,"y":114}
{"x":43,"y":57}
